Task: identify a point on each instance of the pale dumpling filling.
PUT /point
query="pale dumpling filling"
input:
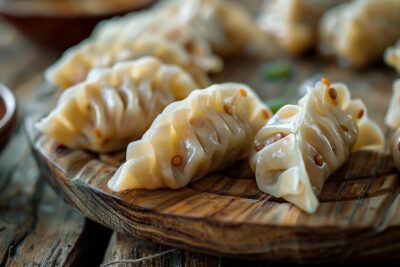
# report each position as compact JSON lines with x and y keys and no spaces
{"x":301,"y":145}
{"x":207,"y":131}
{"x":293,"y":24}
{"x":392,"y":56}
{"x":359,"y":32}
{"x":115,"y":106}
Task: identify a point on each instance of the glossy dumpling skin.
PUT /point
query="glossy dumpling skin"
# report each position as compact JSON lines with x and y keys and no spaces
{"x":78,"y":61}
{"x":296,"y":151}
{"x":293,"y":23}
{"x":359,"y":32}
{"x":395,"y":148}
{"x":227,"y":26}
{"x":207,"y":131}
{"x":159,"y":32}
{"x":392,"y":56}
{"x":167,"y":21}
{"x":392,"y":118}
{"x":115,"y":105}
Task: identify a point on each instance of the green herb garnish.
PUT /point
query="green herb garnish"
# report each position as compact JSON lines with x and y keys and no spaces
{"x":275,"y":104}
{"x":276,"y":71}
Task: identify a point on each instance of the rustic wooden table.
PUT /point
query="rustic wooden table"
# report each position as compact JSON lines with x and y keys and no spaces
{"x":36,"y":227}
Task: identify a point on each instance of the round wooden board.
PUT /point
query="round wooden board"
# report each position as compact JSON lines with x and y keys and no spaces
{"x":224,"y":213}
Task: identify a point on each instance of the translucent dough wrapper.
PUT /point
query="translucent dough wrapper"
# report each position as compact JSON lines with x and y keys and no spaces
{"x":395,"y":148}
{"x":392,"y":56}
{"x":115,"y":105}
{"x":74,"y":66}
{"x":225,"y":24}
{"x":294,"y":23}
{"x":392,"y":118}
{"x":207,"y":131}
{"x":359,"y":32}
{"x":297,"y":150}
{"x":168,"y":22}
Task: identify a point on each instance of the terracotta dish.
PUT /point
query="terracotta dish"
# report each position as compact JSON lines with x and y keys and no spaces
{"x":8,"y":108}
{"x":63,"y":23}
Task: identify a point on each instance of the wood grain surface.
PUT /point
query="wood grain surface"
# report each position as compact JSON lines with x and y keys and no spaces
{"x":225,"y":214}
{"x":37,"y":229}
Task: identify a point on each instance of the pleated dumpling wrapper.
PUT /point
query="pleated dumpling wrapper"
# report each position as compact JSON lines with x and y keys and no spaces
{"x":115,"y":105}
{"x":75,"y":64}
{"x":392,"y":118}
{"x":293,"y":24}
{"x":159,"y":33}
{"x":359,"y":32}
{"x":301,"y":145}
{"x":207,"y":131}
{"x":227,"y":26}
{"x":392,"y":56}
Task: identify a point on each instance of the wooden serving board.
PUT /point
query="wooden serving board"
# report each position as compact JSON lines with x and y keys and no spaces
{"x":224,"y":213}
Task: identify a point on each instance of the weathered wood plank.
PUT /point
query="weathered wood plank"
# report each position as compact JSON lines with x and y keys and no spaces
{"x":127,"y":251}
{"x":53,"y":240}
{"x":36,"y":227}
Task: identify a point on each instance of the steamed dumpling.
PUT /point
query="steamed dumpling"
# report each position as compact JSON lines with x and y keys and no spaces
{"x":225,"y":24}
{"x":207,"y":131}
{"x":78,"y":61}
{"x":115,"y":105}
{"x":297,"y":150}
{"x":293,"y":23}
{"x":392,"y":118}
{"x":168,"y":22}
{"x":159,"y":32}
{"x":392,"y":56}
{"x":359,"y":32}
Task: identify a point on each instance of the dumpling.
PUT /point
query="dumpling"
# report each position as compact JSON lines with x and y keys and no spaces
{"x":301,"y":145}
{"x":225,"y":24}
{"x":293,"y":23}
{"x":392,"y":118}
{"x":165,"y":21}
{"x":207,"y":131}
{"x":115,"y":106}
{"x":359,"y":32}
{"x":392,"y":56}
{"x":159,"y":32}
{"x":78,"y":61}
{"x":395,"y":148}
